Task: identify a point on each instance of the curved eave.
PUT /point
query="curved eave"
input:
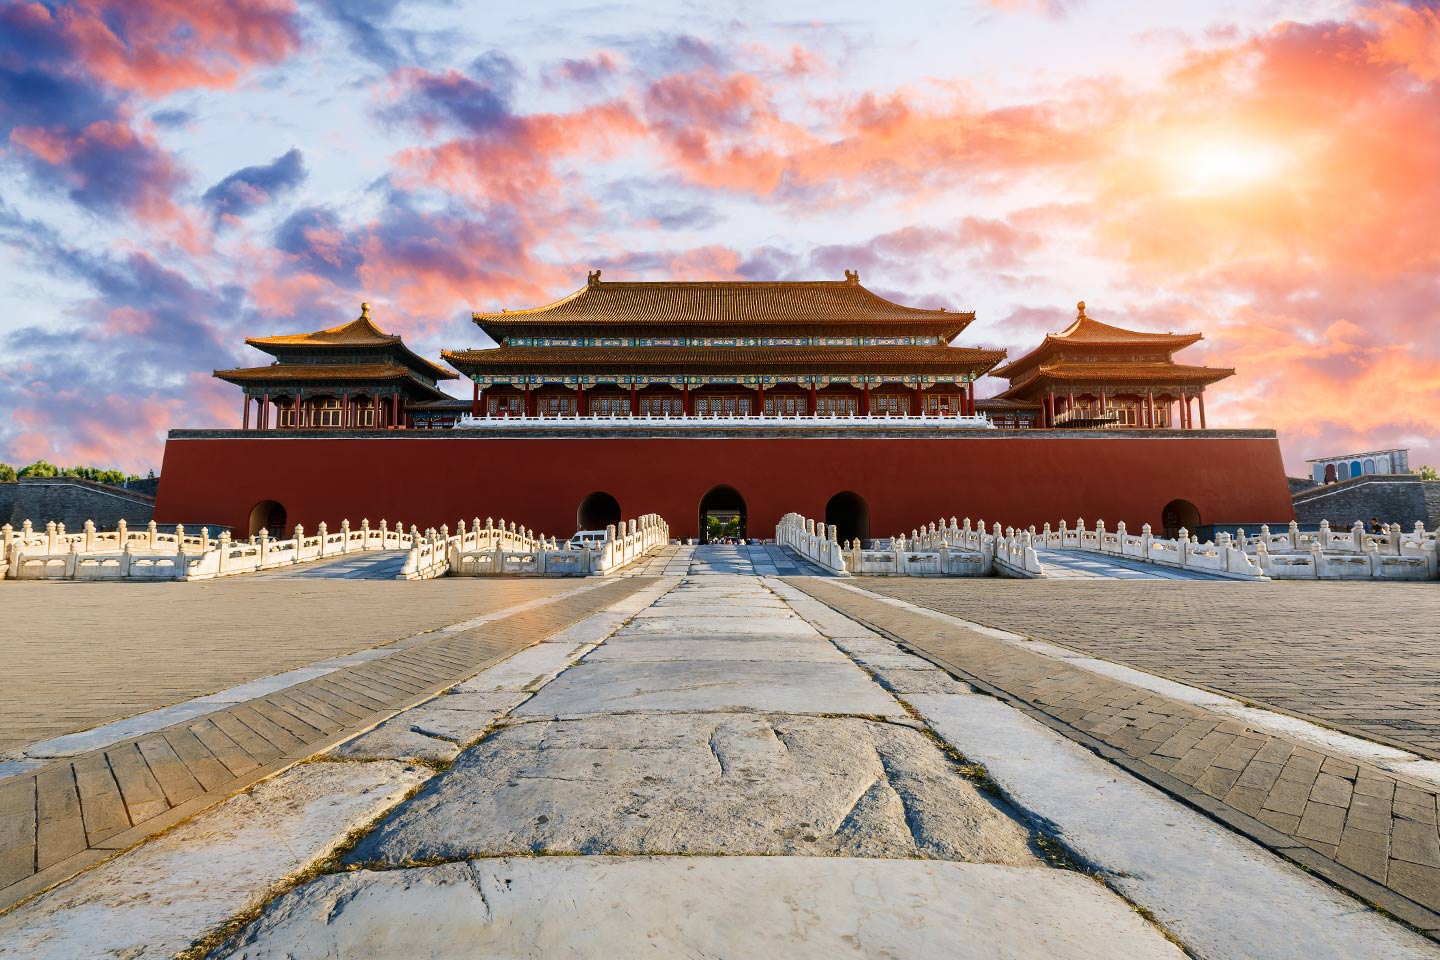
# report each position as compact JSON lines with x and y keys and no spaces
{"x":1178,"y":376}
{"x":306,"y":377}
{"x":1058,"y":344}
{"x":945,"y":330}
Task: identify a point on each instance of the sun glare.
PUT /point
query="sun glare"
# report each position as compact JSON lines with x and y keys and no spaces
{"x":1217,"y":166}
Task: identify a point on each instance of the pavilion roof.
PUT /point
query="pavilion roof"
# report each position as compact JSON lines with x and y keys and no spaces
{"x":1087,"y":335}
{"x":1136,"y":374}
{"x":849,"y":358}
{"x":359,"y":333}
{"x":727,"y":304}
{"x":306,"y":373}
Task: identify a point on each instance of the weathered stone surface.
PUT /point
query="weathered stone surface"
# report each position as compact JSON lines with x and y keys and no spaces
{"x":633,"y":649}
{"x":526,"y":670}
{"x":157,"y":899}
{"x":395,"y":740}
{"x":727,"y":907}
{"x":435,"y":730}
{"x":756,"y":624}
{"x":926,"y":680}
{"x":616,"y":686}
{"x":706,"y":783}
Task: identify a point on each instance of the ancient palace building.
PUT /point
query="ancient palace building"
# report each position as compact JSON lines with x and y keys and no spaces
{"x":742,"y":399}
{"x":350,"y":376}
{"x":1096,"y":375}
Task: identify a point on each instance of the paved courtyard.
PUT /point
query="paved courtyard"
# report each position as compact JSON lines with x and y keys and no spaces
{"x":720,"y":754}
{"x":1363,"y":657}
{"x":80,"y":654}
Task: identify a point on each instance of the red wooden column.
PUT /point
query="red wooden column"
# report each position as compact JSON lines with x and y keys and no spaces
{"x":299,"y":407}
{"x":1201,"y":398}
{"x":345,"y":409}
{"x":1150,"y":409}
{"x":475,"y":399}
{"x":685,"y":399}
{"x":865,"y":400}
{"x":919,"y":401}
{"x":526,"y":408}
{"x":245,"y":417}
{"x":1049,"y":408}
{"x":580,"y":400}
{"x":375,"y":411}
{"x":760,"y":398}
{"x":634,"y":401}
{"x":264,"y":420}
{"x":814,"y":399}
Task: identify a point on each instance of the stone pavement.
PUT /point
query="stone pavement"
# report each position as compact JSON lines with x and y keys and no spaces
{"x":1365,"y":829}
{"x":1360,"y":657}
{"x":66,"y":816}
{"x":1082,"y":565}
{"x":77,"y":655}
{"x":766,"y":560}
{"x":380,"y":565}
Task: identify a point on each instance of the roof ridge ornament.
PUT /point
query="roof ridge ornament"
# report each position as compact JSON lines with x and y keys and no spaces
{"x":1081,"y":307}
{"x":592,"y":279}
{"x":852,"y":277}
{"x":364,"y":311}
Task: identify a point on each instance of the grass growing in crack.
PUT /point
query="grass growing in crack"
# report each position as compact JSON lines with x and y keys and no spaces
{"x":329,"y":863}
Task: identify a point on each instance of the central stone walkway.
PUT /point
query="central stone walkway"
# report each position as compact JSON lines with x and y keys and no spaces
{"x":1082,"y":565}
{"x":767,"y":560}
{"x":724,"y":780}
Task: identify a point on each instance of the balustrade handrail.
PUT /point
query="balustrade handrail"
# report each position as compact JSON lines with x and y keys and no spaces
{"x":938,"y":420}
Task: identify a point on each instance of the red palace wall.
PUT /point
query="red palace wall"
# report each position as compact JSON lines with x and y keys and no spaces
{"x":1014,"y":477}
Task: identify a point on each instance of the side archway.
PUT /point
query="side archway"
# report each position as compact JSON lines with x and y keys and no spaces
{"x":268,"y":515}
{"x":722,"y":514}
{"x":849,"y":514}
{"x":597,"y":511}
{"x":1177,"y":514}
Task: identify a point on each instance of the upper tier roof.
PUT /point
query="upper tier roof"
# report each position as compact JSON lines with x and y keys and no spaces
{"x":679,"y":360}
{"x":298,"y":373}
{"x":722,"y":304}
{"x":1085,"y":333}
{"x":358,"y":333}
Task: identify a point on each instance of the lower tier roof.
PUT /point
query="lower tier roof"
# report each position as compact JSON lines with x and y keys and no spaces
{"x":712,"y":360}
{"x":303,"y":375}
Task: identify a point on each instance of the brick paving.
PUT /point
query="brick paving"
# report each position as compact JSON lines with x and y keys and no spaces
{"x":68,"y":815}
{"x":1366,"y":830}
{"x":1360,"y":657}
{"x":76,"y":655}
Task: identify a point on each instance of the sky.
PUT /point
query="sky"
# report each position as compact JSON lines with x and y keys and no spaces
{"x":176,"y":176}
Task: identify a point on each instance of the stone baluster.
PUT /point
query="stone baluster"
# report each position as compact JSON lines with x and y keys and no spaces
{"x":264,"y":545}
{"x":1145,"y":540}
{"x":1294,"y":532}
{"x":179,"y":535}
{"x":89,"y":536}
{"x":299,"y":540}
{"x":7,"y":537}
{"x":1323,"y":538}
{"x":223,"y":556}
{"x":153,"y":535}
{"x":1357,"y":535}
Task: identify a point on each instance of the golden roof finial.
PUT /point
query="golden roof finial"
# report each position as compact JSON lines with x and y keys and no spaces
{"x":1081,"y":307}
{"x":364,"y":311}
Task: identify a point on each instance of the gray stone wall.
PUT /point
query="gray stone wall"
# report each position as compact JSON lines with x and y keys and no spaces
{"x":72,"y":501}
{"x":1393,"y":499}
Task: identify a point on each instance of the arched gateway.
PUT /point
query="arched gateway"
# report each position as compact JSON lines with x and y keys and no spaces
{"x":597,"y":511}
{"x":268,"y":515}
{"x":722,"y":514}
{"x":1177,"y":514}
{"x":850,"y":515}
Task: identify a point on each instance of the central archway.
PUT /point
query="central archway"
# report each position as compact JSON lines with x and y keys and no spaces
{"x":597,"y":511}
{"x":268,"y":515}
{"x":722,"y":514}
{"x":849,"y":514}
{"x":1177,"y":514}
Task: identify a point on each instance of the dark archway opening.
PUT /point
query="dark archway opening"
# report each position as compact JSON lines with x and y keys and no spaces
{"x":849,"y":514}
{"x":722,"y":515}
{"x":597,"y":511}
{"x":269,"y":516}
{"x":1177,"y":514}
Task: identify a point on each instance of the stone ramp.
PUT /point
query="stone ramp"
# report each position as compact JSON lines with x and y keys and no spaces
{"x":381,"y":565}
{"x":66,"y":816}
{"x":1083,"y":565}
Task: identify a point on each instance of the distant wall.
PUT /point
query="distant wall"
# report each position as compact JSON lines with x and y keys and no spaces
{"x":1401,"y":499}
{"x":72,"y":501}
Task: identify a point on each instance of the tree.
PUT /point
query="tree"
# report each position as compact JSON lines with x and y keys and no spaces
{"x":40,"y":468}
{"x":1426,"y":473}
{"x":7,"y":473}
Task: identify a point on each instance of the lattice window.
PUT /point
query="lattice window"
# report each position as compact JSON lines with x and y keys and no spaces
{"x":327,"y":412}
{"x":786,"y":405}
{"x":556,"y":406}
{"x":504,"y":406}
{"x":285,"y":415}
{"x":362,"y":411}
{"x":662,"y":406}
{"x":890,"y":405}
{"x":723,"y":405}
{"x":942,"y":403}
{"x":608,"y":406}
{"x":837,"y":405}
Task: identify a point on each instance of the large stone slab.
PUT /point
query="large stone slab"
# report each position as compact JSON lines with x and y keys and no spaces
{"x":158,"y":898}
{"x":434,"y":730}
{"x":746,"y":908}
{"x":1221,"y":894}
{"x":707,"y":783}
{"x":636,"y":650}
{"x":526,"y":670}
{"x":775,"y":626}
{"x":616,"y":686}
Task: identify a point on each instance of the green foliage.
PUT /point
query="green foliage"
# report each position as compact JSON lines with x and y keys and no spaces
{"x":43,"y":468}
{"x":40,"y":468}
{"x":715,"y":527}
{"x":1427,"y":473}
{"x":7,"y":473}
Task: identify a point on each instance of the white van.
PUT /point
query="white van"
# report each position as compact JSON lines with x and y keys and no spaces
{"x":586,"y":538}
